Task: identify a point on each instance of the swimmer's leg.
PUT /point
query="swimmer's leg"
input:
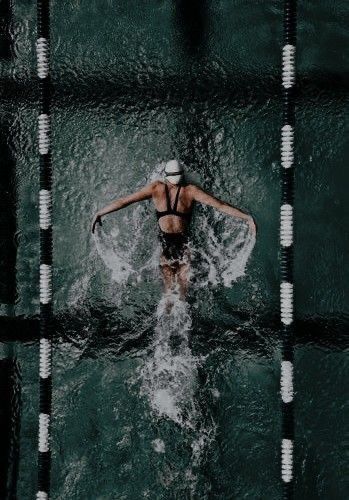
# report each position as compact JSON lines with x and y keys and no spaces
{"x":183,"y":274}
{"x":183,"y":279}
{"x":168,"y":274}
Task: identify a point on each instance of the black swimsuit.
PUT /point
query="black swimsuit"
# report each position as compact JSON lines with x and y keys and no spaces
{"x":173,"y":244}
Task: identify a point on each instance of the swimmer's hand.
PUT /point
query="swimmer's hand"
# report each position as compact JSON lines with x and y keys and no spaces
{"x":252,"y":225}
{"x":97,"y":219}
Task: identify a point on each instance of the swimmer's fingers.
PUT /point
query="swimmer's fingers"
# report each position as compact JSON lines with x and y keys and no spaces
{"x":97,"y":219}
{"x":252,"y":226}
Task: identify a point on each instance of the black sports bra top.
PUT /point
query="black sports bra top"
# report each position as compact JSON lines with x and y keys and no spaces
{"x":173,"y":210}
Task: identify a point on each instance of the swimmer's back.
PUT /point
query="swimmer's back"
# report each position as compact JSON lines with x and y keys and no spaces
{"x":173,"y":223}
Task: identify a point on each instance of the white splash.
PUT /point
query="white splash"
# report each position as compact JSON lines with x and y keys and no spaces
{"x":220,"y":249}
{"x":169,"y":374}
{"x":158,"y":445}
{"x":125,"y":248}
{"x":169,"y":381}
{"x":116,"y":260}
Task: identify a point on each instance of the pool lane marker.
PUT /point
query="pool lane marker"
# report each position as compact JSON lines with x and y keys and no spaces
{"x":45,"y":224}
{"x":286,"y":247}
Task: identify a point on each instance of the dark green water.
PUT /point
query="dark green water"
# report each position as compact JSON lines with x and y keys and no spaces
{"x":186,"y":406}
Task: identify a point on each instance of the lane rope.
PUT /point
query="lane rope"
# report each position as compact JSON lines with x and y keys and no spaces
{"x":45,"y":222}
{"x":286,"y":247}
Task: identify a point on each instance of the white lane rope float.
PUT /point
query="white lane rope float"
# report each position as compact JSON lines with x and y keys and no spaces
{"x":286,"y":248}
{"x":45,"y":221}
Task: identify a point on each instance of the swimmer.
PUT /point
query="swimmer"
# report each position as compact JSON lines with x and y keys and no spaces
{"x":174,"y":200}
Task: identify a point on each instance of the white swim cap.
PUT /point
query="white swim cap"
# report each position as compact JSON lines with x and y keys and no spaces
{"x":173,"y":172}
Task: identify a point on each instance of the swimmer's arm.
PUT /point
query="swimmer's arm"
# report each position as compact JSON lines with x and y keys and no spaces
{"x":143,"y":194}
{"x":207,"y":199}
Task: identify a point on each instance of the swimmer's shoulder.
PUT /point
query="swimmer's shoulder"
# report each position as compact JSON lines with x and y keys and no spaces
{"x":191,"y":190}
{"x":156,"y":186}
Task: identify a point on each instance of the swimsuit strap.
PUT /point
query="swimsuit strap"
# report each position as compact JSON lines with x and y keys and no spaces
{"x":168,"y":199}
{"x":176,"y":199}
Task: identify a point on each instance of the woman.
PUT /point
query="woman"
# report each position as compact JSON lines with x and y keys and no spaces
{"x":173,"y":201}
